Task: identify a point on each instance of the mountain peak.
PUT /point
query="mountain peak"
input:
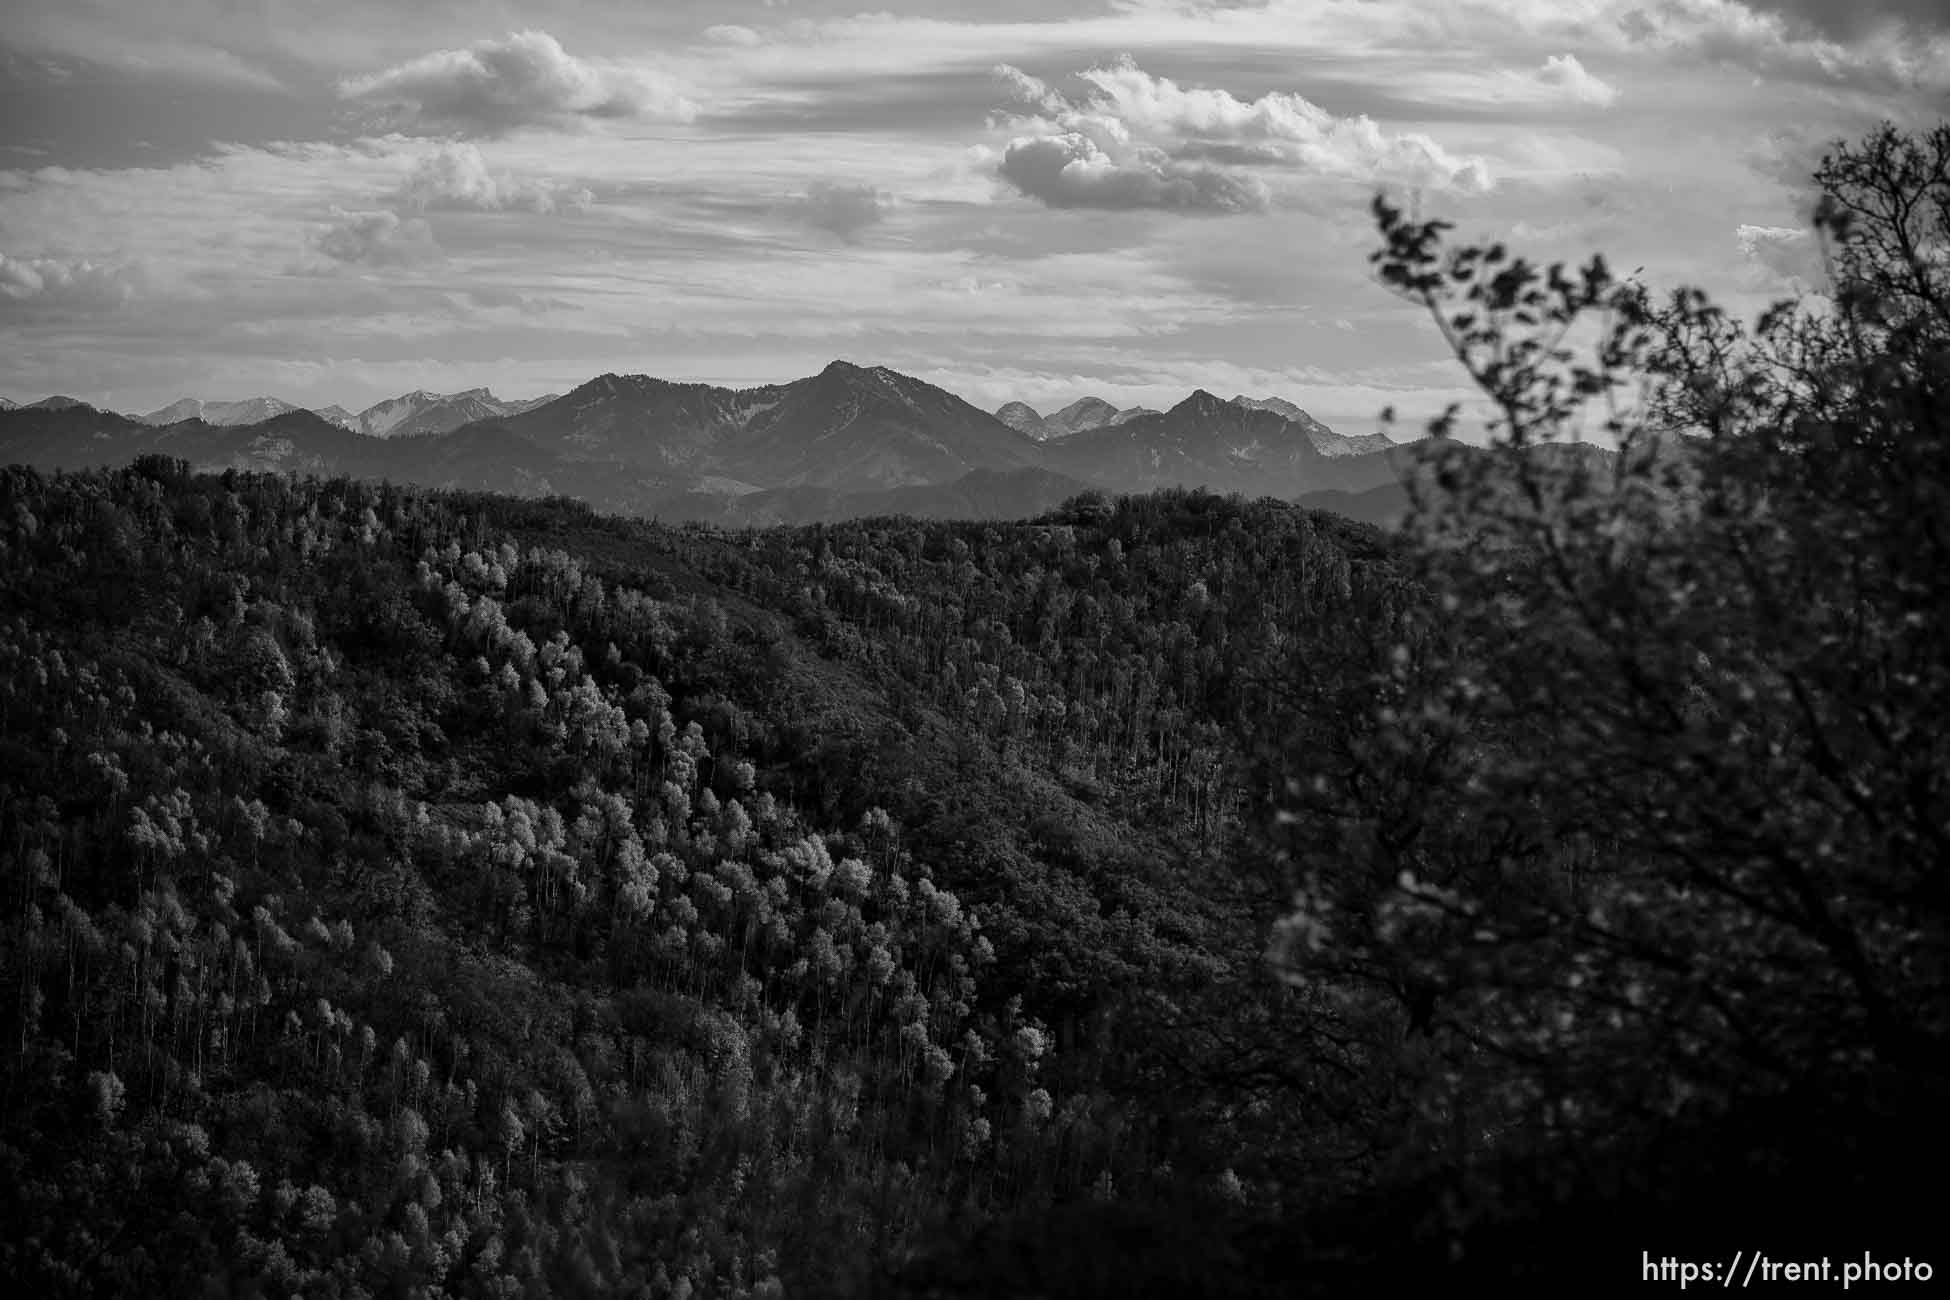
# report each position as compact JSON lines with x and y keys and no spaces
{"x":609,"y":383}
{"x":876,"y":381}
{"x":850,"y":425}
{"x":1277,"y":405}
{"x":1080,"y":416}
{"x":1201,"y":403}
{"x":1023,"y":418}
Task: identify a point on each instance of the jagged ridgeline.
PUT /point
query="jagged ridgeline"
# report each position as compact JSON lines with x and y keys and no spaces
{"x":432,"y":894}
{"x":849,"y":442}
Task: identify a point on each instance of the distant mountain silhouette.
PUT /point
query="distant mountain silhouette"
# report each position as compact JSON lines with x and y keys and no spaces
{"x":1208,"y":442}
{"x":1326,"y":441}
{"x":848,"y":442}
{"x":1080,"y":415}
{"x":1023,"y":418}
{"x":1277,"y":405}
{"x":410,"y":415}
{"x":849,"y":428}
{"x":419,"y":413}
{"x":250,"y":410}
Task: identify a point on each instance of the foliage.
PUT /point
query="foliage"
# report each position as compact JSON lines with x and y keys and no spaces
{"x":1641,"y":827}
{"x":419,"y":892}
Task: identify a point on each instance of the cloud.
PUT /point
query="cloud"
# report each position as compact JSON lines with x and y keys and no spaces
{"x":379,"y":238}
{"x":733,"y":34}
{"x":1882,"y":46}
{"x":1030,"y":90}
{"x":1563,"y":73}
{"x":1073,"y":171}
{"x":842,"y":210}
{"x":456,"y":178}
{"x":1849,"y":19}
{"x":66,"y":282}
{"x":1787,"y":257}
{"x":1135,"y":140}
{"x":493,"y":87}
{"x":138,"y":46}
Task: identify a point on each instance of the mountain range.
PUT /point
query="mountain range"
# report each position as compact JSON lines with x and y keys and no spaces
{"x":1325,"y":440}
{"x":1088,"y":413}
{"x":1084,"y":413}
{"x":411,"y":415}
{"x":251,"y":410}
{"x":850,"y":441}
{"x":1208,"y":442}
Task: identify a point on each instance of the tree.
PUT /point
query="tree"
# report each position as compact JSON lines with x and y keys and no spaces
{"x":1631,"y":810}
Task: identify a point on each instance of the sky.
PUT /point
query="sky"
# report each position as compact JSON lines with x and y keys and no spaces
{"x":337,"y":202}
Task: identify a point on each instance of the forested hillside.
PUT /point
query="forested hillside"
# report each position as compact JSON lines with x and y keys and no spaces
{"x":427,"y":890}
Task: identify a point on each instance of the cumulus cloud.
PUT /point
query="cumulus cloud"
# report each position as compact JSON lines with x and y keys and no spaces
{"x":456,"y":178}
{"x":66,"y":282}
{"x":1784,"y":255}
{"x":1073,"y":171}
{"x":528,"y":79}
{"x":1030,"y":90}
{"x":1563,"y":73}
{"x":1135,"y":140}
{"x":378,"y":238}
{"x":842,"y":210}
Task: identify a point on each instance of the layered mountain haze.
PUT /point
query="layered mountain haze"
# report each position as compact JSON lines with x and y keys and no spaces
{"x":410,"y":415}
{"x":482,"y":457}
{"x":852,"y":441}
